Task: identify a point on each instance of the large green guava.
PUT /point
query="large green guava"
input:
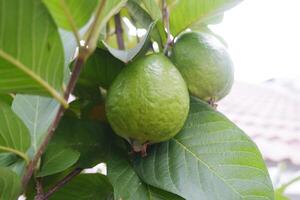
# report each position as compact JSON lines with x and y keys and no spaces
{"x":205,"y":65}
{"x":148,"y":102}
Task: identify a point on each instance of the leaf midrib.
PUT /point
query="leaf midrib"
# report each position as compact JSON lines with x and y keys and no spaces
{"x":17,"y":152}
{"x":26,"y":70}
{"x":208,"y":167}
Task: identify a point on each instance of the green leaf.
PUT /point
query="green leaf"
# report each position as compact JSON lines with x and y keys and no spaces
{"x":184,"y":13}
{"x":145,"y":20}
{"x":48,"y":183}
{"x":110,"y":8}
{"x":57,"y":160}
{"x":37,"y":113}
{"x":128,"y":186}
{"x":7,"y":159}
{"x":6,"y":98}
{"x":85,"y":187}
{"x":127,"y":55}
{"x":31,"y":53}
{"x":14,"y":136}
{"x":10,"y":184}
{"x":153,"y":9}
{"x":280,"y":196}
{"x":19,"y":167}
{"x":210,"y":158}
{"x":70,"y":45}
{"x":78,"y":11}
{"x":100,"y":69}
{"x":158,"y":194}
{"x":89,"y":138}
{"x":139,"y":14}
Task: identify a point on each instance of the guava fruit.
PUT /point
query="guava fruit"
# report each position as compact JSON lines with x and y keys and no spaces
{"x":205,"y":64}
{"x":148,"y":102}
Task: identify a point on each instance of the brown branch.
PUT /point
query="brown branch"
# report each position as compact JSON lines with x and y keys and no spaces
{"x":119,"y":31}
{"x":166,"y":20}
{"x":62,"y":182}
{"x":84,"y":53}
{"x":75,"y":74}
{"x":39,"y":190}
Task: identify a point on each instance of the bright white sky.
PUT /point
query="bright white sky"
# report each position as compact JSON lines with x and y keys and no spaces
{"x":263,"y":38}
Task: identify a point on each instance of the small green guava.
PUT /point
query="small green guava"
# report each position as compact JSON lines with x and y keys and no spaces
{"x":148,"y":102}
{"x":205,"y":64}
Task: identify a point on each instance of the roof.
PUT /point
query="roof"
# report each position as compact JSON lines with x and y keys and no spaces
{"x":270,"y":114}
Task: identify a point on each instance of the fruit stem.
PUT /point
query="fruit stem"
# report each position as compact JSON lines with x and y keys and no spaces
{"x":212,"y":103}
{"x":138,"y":147}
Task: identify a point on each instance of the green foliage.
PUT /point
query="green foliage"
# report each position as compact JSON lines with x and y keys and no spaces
{"x":49,"y":46}
{"x":87,"y":137}
{"x":7,"y":159}
{"x":79,"y":11}
{"x":14,"y":136}
{"x":85,"y":187}
{"x":5,"y":98}
{"x":100,"y":70}
{"x":10,"y":184}
{"x":145,"y":19}
{"x":37,"y":114}
{"x":209,"y":148}
{"x":141,"y":48}
{"x":122,"y":174}
{"x":56,"y":160}
{"x":185,"y":13}
{"x":280,"y":196}
{"x":31,"y":53}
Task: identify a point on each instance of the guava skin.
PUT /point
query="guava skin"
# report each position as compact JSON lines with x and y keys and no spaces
{"x":148,"y":102}
{"x":205,"y":64}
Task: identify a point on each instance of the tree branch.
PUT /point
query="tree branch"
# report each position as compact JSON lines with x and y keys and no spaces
{"x":284,"y":186}
{"x":119,"y":31}
{"x":84,"y":53}
{"x":75,"y":74}
{"x":62,"y":182}
{"x":166,"y":20}
{"x":39,"y":190}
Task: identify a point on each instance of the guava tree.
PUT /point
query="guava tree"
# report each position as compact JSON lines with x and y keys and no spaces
{"x":133,"y":84}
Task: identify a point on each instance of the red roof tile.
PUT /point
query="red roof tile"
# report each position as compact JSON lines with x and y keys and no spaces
{"x":270,"y":115}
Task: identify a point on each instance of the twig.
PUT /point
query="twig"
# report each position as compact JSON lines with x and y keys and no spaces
{"x":62,"y":182}
{"x":39,"y":190}
{"x":75,"y":74}
{"x":84,"y":53}
{"x":119,"y":31}
{"x":284,"y":186}
{"x":166,"y":19}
